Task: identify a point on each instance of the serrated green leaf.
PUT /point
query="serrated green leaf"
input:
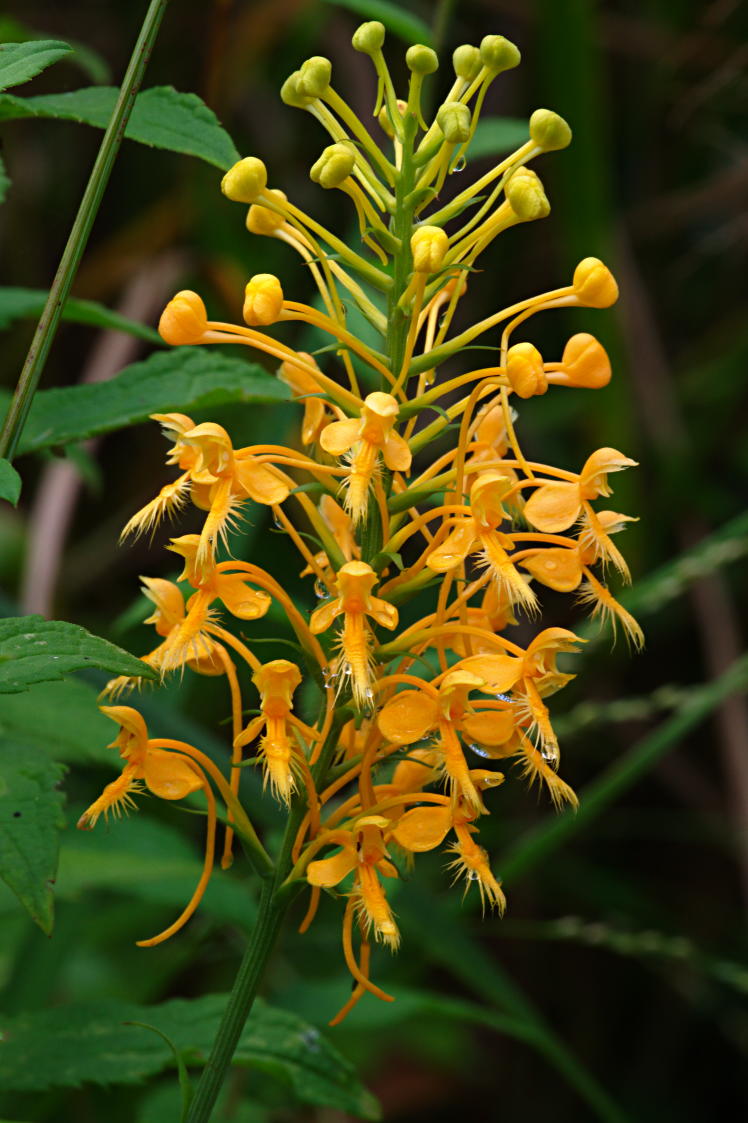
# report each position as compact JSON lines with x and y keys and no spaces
{"x":92,"y":1045}
{"x":162,"y":117}
{"x":10,"y":483}
{"x":4,"y":181}
{"x":34,"y":650}
{"x":400,"y":22}
{"x":21,"y":61}
{"x":30,"y":822}
{"x":183,"y":379}
{"x":495,"y":136}
{"x":21,"y":304}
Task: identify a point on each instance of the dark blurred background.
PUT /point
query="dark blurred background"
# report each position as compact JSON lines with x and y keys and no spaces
{"x":624,"y":941}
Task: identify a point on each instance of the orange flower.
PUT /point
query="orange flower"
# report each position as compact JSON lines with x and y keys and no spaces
{"x":478,"y":533}
{"x":168,"y":775}
{"x":365,"y":439}
{"x":355,"y":602}
{"x":276,"y":682}
{"x":556,"y":505}
{"x":363,"y":851}
{"x":218,"y":480}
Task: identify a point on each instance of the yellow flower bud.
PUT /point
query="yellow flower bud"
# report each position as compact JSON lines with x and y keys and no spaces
{"x":245,"y":181}
{"x":498,"y":54}
{"x":263,"y":300}
{"x":292,"y":95}
{"x":586,"y":362}
{"x":261,"y":220}
{"x":525,"y":371}
{"x":526,"y":196}
{"x":184,"y":319}
{"x":454,"y":119}
{"x":421,"y":59}
{"x":467,"y":62}
{"x":594,"y":284}
{"x":314,"y":77}
{"x":549,"y":131}
{"x":429,"y":244}
{"x":334,"y":165}
{"x":369,"y":37}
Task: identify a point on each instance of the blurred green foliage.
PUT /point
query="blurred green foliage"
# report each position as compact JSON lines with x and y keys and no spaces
{"x":614,"y":990}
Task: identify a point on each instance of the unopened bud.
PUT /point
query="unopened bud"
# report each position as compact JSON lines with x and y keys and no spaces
{"x":428,"y":245}
{"x":245,"y":181}
{"x":184,"y":319}
{"x":261,"y":220}
{"x":314,"y":77}
{"x":594,"y":284}
{"x":263,"y":300}
{"x":292,"y":95}
{"x":369,"y":37}
{"x":525,"y":371}
{"x":467,"y":62}
{"x":549,"y":131}
{"x":586,"y":362}
{"x":526,"y":196}
{"x":498,"y":54}
{"x":421,"y":59}
{"x":334,"y":165}
{"x":454,"y":121}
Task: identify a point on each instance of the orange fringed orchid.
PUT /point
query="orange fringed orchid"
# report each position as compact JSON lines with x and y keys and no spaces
{"x":355,"y":601}
{"x":168,"y":775}
{"x":467,"y":532}
{"x":276,"y":682}
{"x":218,"y":480}
{"x":478,"y":532}
{"x":414,"y":714}
{"x":363,"y":852}
{"x":364,"y":439}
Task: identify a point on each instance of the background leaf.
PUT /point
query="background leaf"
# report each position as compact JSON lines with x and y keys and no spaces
{"x":495,"y":136}
{"x":10,"y":482}
{"x":92,"y":1045}
{"x":185,"y":379}
{"x":30,"y":822}
{"x":21,"y":61}
{"x":395,"y":18}
{"x":33,"y":650}
{"x":161,"y":117}
{"x":19,"y":304}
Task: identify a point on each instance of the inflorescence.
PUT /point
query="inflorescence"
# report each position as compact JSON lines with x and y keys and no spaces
{"x":414,"y":483}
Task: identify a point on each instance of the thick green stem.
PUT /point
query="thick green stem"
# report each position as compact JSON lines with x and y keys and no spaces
{"x":249,"y":976}
{"x":76,"y":244}
{"x":272,"y":908}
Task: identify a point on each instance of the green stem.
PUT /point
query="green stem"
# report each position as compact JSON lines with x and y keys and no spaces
{"x":241,"y":999}
{"x":76,"y":244}
{"x":271,"y":911}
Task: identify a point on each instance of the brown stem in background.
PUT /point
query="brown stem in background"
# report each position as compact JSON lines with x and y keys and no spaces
{"x":60,"y":484}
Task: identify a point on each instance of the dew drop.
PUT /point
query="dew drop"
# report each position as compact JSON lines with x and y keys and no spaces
{"x":277,"y":521}
{"x":320,"y":589}
{"x":459,"y":165}
{"x":472,"y":875}
{"x":479,"y":750}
